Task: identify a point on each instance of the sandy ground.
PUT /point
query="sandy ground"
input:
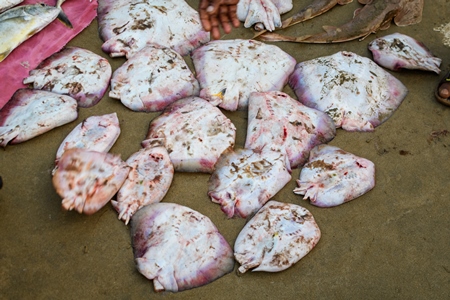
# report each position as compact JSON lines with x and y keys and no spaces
{"x":393,"y":242}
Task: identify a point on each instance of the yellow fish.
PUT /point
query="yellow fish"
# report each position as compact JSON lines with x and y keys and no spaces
{"x":20,"y":23}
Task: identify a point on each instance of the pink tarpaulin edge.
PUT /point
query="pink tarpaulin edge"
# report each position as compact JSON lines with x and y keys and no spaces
{"x":51,"y":39}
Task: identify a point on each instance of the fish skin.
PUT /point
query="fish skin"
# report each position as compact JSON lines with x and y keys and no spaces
{"x":30,"y":113}
{"x":7,"y":4}
{"x":20,"y":23}
{"x":375,"y":15}
{"x":399,"y":51}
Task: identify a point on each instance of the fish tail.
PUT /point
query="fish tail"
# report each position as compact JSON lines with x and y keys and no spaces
{"x":62,"y":16}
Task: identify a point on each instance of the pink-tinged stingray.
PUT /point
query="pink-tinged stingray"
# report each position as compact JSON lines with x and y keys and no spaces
{"x":375,"y":15}
{"x":353,"y":90}
{"x":87,"y":180}
{"x":333,"y":176}
{"x":262,"y":14}
{"x":280,"y":123}
{"x":230,"y":70}
{"x":278,"y":236}
{"x":96,"y":133}
{"x":127,"y":26}
{"x":149,"y":180}
{"x":153,"y":78}
{"x":30,"y":113}
{"x":244,"y":180}
{"x":178,"y":248}
{"x":194,"y":132}
{"x":73,"y":71}
{"x":399,"y":51}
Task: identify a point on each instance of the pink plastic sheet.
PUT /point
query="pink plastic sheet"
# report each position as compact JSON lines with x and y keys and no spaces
{"x":51,"y":39}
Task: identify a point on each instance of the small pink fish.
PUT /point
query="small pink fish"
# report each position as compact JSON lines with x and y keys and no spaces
{"x":353,"y":90}
{"x":87,"y":180}
{"x":194,"y":132}
{"x":30,"y":113}
{"x":128,"y":26}
{"x":399,"y":51}
{"x":333,"y":176}
{"x":152,"y":79}
{"x":244,"y":180}
{"x":262,"y":14}
{"x":178,"y":248}
{"x":73,"y":71}
{"x":149,"y":180}
{"x":280,"y":123}
{"x":278,"y":236}
{"x":96,"y":133}
{"x":230,"y":70}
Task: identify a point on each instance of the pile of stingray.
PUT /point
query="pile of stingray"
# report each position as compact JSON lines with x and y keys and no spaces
{"x":175,"y":246}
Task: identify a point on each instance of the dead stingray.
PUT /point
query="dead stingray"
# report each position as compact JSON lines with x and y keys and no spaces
{"x":375,"y":15}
